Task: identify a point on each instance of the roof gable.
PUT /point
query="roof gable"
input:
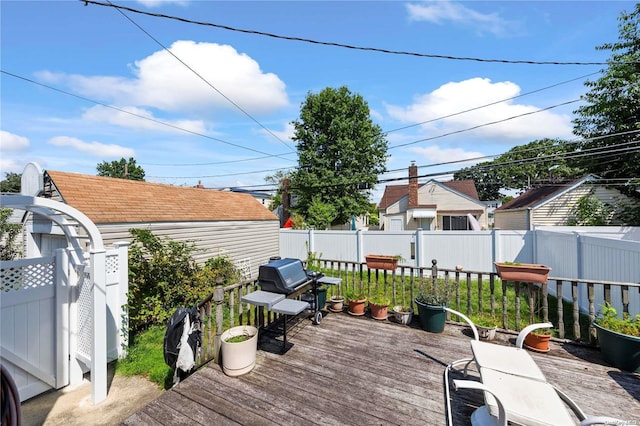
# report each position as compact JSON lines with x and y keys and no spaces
{"x":536,"y":197}
{"x":111,"y":200}
{"x":394,"y":193}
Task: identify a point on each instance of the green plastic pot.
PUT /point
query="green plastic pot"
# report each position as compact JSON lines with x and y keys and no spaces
{"x":620,"y":350}
{"x":432,"y":318}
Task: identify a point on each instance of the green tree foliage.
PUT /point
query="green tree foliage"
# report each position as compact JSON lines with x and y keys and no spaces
{"x":163,"y":275}
{"x":612,"y":106}
{"x":540,"y":161}
{"x":320,"y":214}
{"x":341,"y":152}
{"x":11,"y":182}
{"x":8,"y":234}
{"x":276,"y":179}
{"x":123,"y":169}
{"x":590,"y":211}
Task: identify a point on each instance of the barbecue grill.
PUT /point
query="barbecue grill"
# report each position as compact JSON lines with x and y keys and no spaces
{"x":284,"y":276}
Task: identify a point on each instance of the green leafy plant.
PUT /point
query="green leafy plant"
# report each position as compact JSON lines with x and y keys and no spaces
{"x":8,"y":233}
{"x":485,"y":320}
{"x":355,"y":295}
{"x":436,"y":292}
{"x":610,"y":320}
{"x":380,"y":297}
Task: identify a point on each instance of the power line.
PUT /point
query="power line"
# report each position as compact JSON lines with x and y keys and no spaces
{"x":484,"y":125}
{"x":266,"y":154}
{"x":203,"y":79}
{"x":491,"y":104}
{"x":334,"y":44}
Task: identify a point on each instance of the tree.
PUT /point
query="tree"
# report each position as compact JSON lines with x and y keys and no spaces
{"x":276,"y":179}
{"x":321,"y":215}
{"x":341,"y":152}
{"x":8,"y":234}
{"x":123,"y":169}
{"x":540,"y":161}
{"x":612,"y":107}
{"x":11,"y":182}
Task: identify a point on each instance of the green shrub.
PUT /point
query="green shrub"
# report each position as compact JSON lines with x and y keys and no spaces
{"x":610,"y":320}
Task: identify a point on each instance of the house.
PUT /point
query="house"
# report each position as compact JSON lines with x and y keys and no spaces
{"x":217,"y":222}
{"x":552,"y":205}
{"x":434,"y":205}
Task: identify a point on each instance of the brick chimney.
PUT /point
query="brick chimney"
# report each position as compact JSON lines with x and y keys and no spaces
{"x":413,"y":185}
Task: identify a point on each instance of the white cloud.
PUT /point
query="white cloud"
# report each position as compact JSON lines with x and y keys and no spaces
{"x":435,"y":154}
{"x":142,"y":119}
{"x":440,"y":12}
{"x":92,"y":148}
{"x":163,"y":82}
{"x":284,"y":135}
{"x":10,"y":142}
{"x":454,"y":97}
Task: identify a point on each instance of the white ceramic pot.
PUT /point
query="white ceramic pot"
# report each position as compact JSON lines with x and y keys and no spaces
{"x":239,"y":358}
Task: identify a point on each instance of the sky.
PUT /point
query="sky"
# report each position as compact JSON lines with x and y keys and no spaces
{"x":84,"y":83}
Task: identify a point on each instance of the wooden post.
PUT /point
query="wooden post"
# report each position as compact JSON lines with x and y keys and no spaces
{"x":592,"y":312}
{"x":505,"y":301}
{"x":517,"y":306}
{"x":480,"y":310}
{"x":492,"y":290}
{"x":545,"y":303}
{"x":577,"y":334}
{"x":469,"y":310}
{"x":560,"y":309}
{"x":218,"y":299}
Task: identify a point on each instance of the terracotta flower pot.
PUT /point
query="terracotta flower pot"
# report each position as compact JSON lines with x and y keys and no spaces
{"x":379,"y":312}
{"x":378,"y":261}
{"x":357,"y":307}
{"x":537,"y":342}
{"x":524,"y":272}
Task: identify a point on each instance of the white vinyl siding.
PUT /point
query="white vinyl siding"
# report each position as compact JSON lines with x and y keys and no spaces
{"x":254,"y":240}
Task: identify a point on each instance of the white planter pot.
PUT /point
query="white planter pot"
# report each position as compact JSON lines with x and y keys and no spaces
{"x":487,"y":333}
{"x":239,"y":358}
{"x":402,"y":317}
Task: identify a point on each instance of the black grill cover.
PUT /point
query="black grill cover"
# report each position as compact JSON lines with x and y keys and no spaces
{"x":282,"y":276}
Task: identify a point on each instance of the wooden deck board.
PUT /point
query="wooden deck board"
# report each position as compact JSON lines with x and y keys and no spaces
{"x":359,"y":371}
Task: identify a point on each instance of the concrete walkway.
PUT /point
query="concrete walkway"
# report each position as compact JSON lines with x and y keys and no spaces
{"x":73,"y":406}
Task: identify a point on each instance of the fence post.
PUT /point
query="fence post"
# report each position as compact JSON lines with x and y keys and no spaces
{"x":312,"y":243}
{"x":99,"y":337}
{"x":62,"y":317}
{"x":123,"y":289}
{"x":359,"y":246}
{"x":418,"y":248}
{"x":218,"y":299}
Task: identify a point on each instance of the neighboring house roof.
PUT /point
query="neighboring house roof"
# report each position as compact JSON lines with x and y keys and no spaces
{"x":537,"y":196}
{"x":393,"y":193}
{"x":110,"y":200}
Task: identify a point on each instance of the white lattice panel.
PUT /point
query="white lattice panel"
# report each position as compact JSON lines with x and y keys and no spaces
{"x":85,"y":315}
{"x":27,"y":276}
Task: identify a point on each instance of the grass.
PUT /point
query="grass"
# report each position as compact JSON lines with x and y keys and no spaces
{"x":146,"y":358}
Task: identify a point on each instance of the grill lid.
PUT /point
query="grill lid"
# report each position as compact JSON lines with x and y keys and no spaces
{"x":282,"y":276}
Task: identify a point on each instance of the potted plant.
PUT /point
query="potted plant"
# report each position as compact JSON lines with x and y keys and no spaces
{"x":522,"y":272}
{"x":239,"y":346}
{"x":356,"y":302}
{"x":336,"y":303}
{"x":538,"y":340}
{"x":379,"y":305}
{"x":402,"y":314}
{"x":433,"y":296}
{"x":619,"y":338}
{"x":487,"y":326}
{"x":380,"y":261}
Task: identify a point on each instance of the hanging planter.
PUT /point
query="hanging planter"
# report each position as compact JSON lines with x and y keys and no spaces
{"x":379,"y":261}
{"x":522,"y":272}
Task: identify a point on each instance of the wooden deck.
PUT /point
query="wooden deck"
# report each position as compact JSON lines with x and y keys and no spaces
{"x":359,"y":371}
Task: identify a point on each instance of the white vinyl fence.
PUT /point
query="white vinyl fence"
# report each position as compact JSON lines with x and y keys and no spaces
{"x":609,"y":254}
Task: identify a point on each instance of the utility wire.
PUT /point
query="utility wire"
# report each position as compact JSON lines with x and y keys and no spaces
{"x":491,"y":104}
{"x":484,"y":125}
{"x":266,"y":154}
{"x":207,"y":82}
{"x":347,"y":46}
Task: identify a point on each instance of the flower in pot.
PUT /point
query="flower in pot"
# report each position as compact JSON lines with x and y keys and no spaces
{"x":402,"y":314}
{"x":336,"y":303}
{"x":379,"y":305}
{"x":238,"y":349}
{"x":619,"y":338}
{"x":356,"y":301}
{"x":538,"y":340}
{"x":487,"y":325}
{"x":433,"y":296}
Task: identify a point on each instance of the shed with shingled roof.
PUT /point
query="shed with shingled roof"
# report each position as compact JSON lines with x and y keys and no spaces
{"x":217,"y":222}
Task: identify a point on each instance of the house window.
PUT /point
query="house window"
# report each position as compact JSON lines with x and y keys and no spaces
{"x":455,"y":223}
{"x":425,"y":223}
